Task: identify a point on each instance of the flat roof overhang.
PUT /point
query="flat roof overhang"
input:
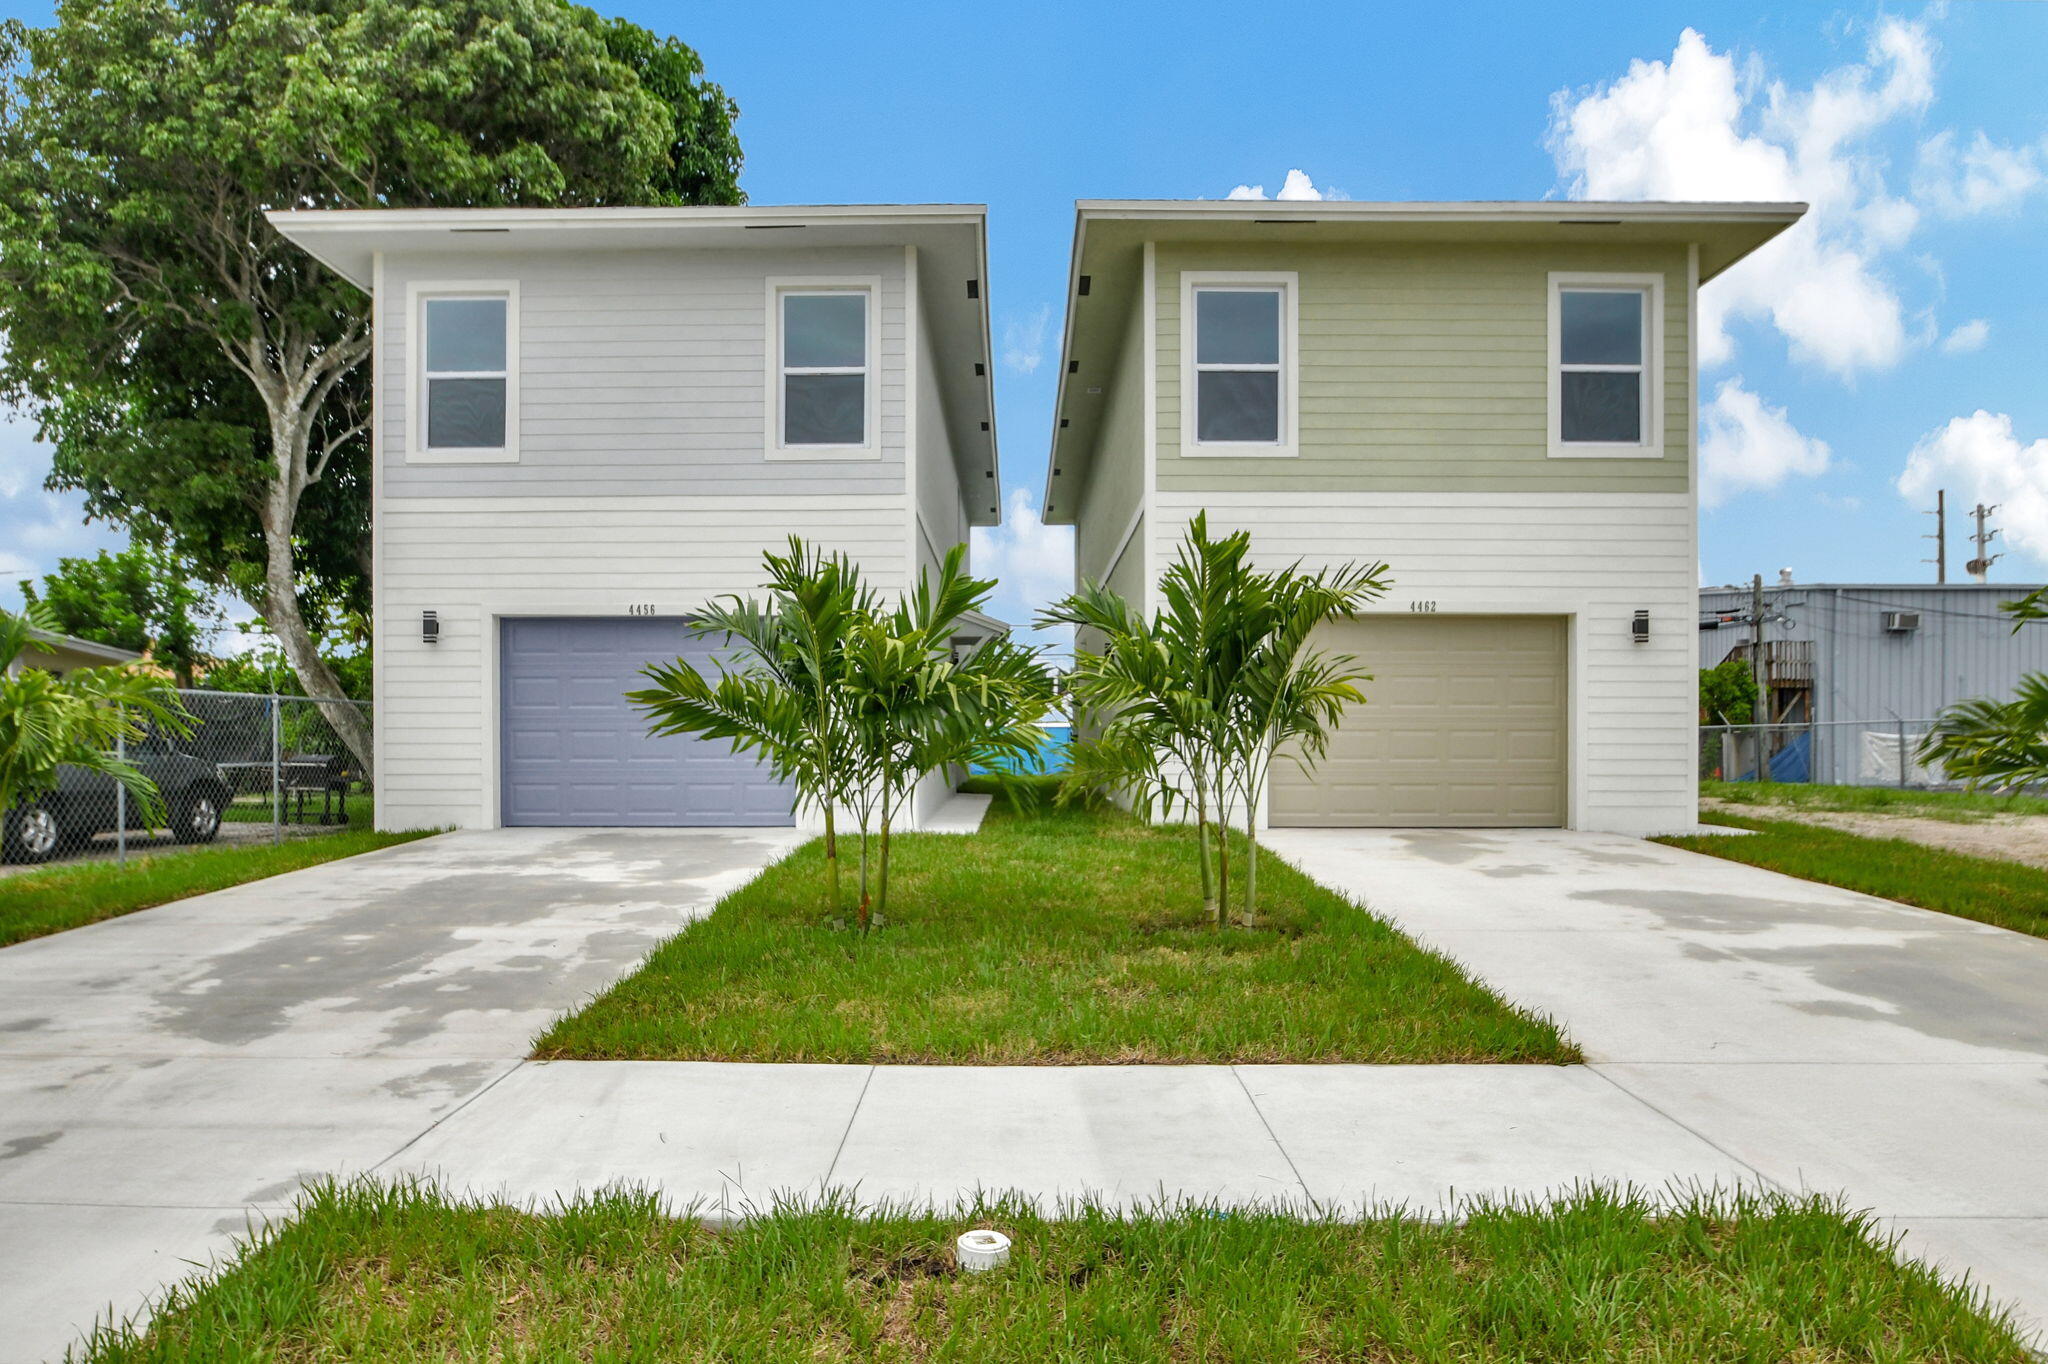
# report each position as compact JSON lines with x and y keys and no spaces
{"x":1110,"y":237}
{"x":89,"y":648}
{"x":952,"y":251}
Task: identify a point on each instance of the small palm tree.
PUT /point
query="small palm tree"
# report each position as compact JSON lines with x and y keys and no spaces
{"x":1149,"y":691}
{"x":784,"y":701}
{"x":917,"y":707}
{"x":1190,"y":708}
{"x":851,"y":704}
{"x":1999,"y":744}
{"x":1289,"y":697}
{"x":48,"y":722}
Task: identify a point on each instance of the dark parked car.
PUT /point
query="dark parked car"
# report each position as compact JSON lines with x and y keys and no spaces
{"x":87,"y":803}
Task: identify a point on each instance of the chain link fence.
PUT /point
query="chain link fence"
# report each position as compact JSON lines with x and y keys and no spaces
{"x":1831,"y":753}
{"x":254,"y":769}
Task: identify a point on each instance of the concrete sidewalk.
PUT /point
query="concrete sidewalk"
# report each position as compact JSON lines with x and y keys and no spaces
{"x":727,"y":1137}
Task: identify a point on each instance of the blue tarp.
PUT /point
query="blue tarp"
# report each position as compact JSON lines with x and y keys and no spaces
{"x":1793,"y":762}
{"x":1051,"y":758}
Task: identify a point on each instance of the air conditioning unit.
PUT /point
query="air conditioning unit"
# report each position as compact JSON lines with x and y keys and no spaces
{"x":1901,"y":622}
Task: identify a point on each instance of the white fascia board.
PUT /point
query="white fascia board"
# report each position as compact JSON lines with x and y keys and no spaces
{"x":1493,"y":211}
{"x":343,"y":238}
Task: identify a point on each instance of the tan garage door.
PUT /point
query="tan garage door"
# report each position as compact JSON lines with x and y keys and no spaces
{"x":1464,"y":724}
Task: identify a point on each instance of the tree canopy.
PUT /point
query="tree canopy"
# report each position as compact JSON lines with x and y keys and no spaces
{"x":201,"y":377}
{"x":140,"y":599}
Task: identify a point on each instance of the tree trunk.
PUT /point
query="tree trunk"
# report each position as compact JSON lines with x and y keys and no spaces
{"x":282,"y":614}
{"x":831,"y":859}
{"x":293,"y":407}
{"x":1222,"y":860}
{"x":882,"y":874}
{"x":1209,"y":909}
{"x":865,"y":908}
{"x":1251,"y":863}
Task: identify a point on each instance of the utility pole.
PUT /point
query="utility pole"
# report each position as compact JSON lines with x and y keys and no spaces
{"x":1940,"y":536}
{"x":1980,"y":567}
{"x":1756,"y":646}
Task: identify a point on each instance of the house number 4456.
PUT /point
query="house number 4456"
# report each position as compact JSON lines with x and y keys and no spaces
{"x":645,"y":608}
{"x":1422,"y":606}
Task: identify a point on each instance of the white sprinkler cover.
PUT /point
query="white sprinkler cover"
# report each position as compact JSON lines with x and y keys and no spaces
{"x":979,"y":1250}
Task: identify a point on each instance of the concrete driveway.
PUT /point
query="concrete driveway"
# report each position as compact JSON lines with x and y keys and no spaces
{"x":168,"y":1075}
{"x":1826,"y":1040}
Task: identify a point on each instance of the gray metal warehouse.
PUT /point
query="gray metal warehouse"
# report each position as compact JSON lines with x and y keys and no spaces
{"x":1863,"y":666}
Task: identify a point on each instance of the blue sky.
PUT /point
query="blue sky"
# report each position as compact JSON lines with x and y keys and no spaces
{"x":1903,"y":335}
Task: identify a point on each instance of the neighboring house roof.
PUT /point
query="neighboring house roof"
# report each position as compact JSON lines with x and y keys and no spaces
{"x":1110,"y":235}
{"x":71,"y":652}
{"x":951,"y":240}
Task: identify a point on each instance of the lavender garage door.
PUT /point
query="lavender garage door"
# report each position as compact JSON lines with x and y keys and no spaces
{"x":572,"y":751}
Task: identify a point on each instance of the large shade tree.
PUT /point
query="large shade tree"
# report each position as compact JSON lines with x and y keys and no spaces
{"x":202,"y":379}
{"x":140,"y":599}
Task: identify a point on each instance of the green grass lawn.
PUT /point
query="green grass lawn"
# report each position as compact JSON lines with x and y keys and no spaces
{"x":1052,"y":937}
{"x":255,"y":807}
{"x":2009,"y":894}
{"x":36,"y":903}
{"x":407,"y":1275}
{"x":1962,"y":806}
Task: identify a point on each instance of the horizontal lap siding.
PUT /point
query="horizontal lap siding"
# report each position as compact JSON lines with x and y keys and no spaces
{"x":643,"y":373}
{"x":468,"y":559}
{"x":1116,"y":475}
{"x":1424,"y":369}
{"x":941,"y":520}
{"x":1595,"y":559}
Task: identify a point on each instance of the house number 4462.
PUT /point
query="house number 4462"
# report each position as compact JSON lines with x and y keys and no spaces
{"x":1422,"y":606}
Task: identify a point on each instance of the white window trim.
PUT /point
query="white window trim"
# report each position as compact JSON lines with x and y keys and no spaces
{"x":1652,"y":444}
{"x":417,"y":294}
{"x":778,"y":287}
{"x":1288,"y":282}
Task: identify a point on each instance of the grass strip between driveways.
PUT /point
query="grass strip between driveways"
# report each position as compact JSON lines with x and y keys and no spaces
{"x":34,"y":904}
{"x":1052,"y":937}
{"x":405,"y":1274}
{"x":2008,"y":894}
{"x":1963,"y":807}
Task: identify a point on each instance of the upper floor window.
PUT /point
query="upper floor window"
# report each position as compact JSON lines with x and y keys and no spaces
{"x":823,"y":358}
{"x":1604,"y":396}
{"x":1239,"y":339}
{"x":466,"y":391}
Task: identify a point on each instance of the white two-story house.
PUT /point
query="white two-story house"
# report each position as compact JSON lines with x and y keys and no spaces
{"x":589,"y":422}
{"x":1499,"y":400}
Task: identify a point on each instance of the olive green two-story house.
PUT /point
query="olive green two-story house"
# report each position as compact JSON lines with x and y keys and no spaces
{"x":1499,"y":400}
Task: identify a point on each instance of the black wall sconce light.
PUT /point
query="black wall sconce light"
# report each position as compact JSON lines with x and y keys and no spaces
{"x":430,"y":628}
{"x":1639,"y":628}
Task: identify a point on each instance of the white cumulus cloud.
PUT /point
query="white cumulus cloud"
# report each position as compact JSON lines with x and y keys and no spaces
{"x":1984,"y":177}
{"x":1024,"y":339}
{"x":1969,"y":336}
{"x":1978,"y":458}
{"x":1297,"y":186}
{"x":1747,"y":445}
{"x":1704,"y":125}
{"x":1032,"y":563}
